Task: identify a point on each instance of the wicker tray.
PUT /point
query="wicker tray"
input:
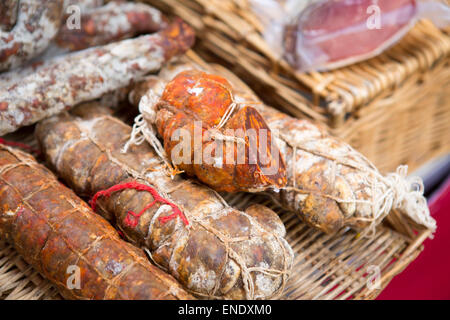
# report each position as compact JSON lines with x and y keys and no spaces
{"x":325,"y":267}
{"x":394,"y":108}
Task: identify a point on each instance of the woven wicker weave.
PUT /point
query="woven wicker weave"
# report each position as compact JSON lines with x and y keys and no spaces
{"x":325,"y":267}
{"x":394,"y":108}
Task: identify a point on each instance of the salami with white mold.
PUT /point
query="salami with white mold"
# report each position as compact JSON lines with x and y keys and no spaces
{"x":113,"y":22}
{"x":36,"y":25}
{"x":8,"y":14}
{"x":86,"y":75}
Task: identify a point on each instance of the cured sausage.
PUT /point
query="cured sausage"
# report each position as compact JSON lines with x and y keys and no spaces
{"x":8,"y":14}
{"x":68,"y":80}
{"x":232,"y":147}
{"x":37,"y":23}
{"x":59,"y":235}
{"x":214,"y":250}
{"x":330,"y":185}
{"x":112,"y":22}
{"x":84,"y":5}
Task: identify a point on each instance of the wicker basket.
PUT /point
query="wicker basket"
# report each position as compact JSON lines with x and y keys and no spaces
{"x":395,"y":108}
{"x":325,"y":267}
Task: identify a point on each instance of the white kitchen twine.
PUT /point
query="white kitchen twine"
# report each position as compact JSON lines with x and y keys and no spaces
{"x":406,"y":194}
{"x":394,"y":191}
{"x":142,"y":132}
{"x":227,"y":114}
{"x":398,"y":191}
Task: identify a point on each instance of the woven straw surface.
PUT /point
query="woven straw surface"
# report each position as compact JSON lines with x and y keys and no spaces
{"x":394,"y":108}
{"x":326,"y":267}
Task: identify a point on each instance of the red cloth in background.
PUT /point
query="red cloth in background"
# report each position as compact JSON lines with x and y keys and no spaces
{"x":428,"y":277}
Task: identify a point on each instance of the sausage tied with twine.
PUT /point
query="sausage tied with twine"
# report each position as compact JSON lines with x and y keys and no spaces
{"x":231,"y":151}
{"x":60,"y":236}
{"x":330,"y":185}
{"x":214,"y":250}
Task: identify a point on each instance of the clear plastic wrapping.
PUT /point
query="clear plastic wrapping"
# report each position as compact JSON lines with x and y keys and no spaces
{"x":323,"y":34}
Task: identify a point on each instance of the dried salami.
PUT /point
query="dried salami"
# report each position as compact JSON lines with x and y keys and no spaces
{"x":85,"y":75}
{"x":203,"y":136}
{"x":36,"y":25}
{"x":59,"y":235}
{"x":330,"y":185}
{"x":112,"y":22}
{"x":214,"y":250}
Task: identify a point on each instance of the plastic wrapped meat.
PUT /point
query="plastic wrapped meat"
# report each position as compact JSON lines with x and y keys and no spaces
{"x":323,"y":35}
{"x":332,"y":34}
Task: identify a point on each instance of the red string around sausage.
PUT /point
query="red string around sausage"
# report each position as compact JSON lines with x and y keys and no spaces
{"x":132,"y":218}
{"x":21,"y":146}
